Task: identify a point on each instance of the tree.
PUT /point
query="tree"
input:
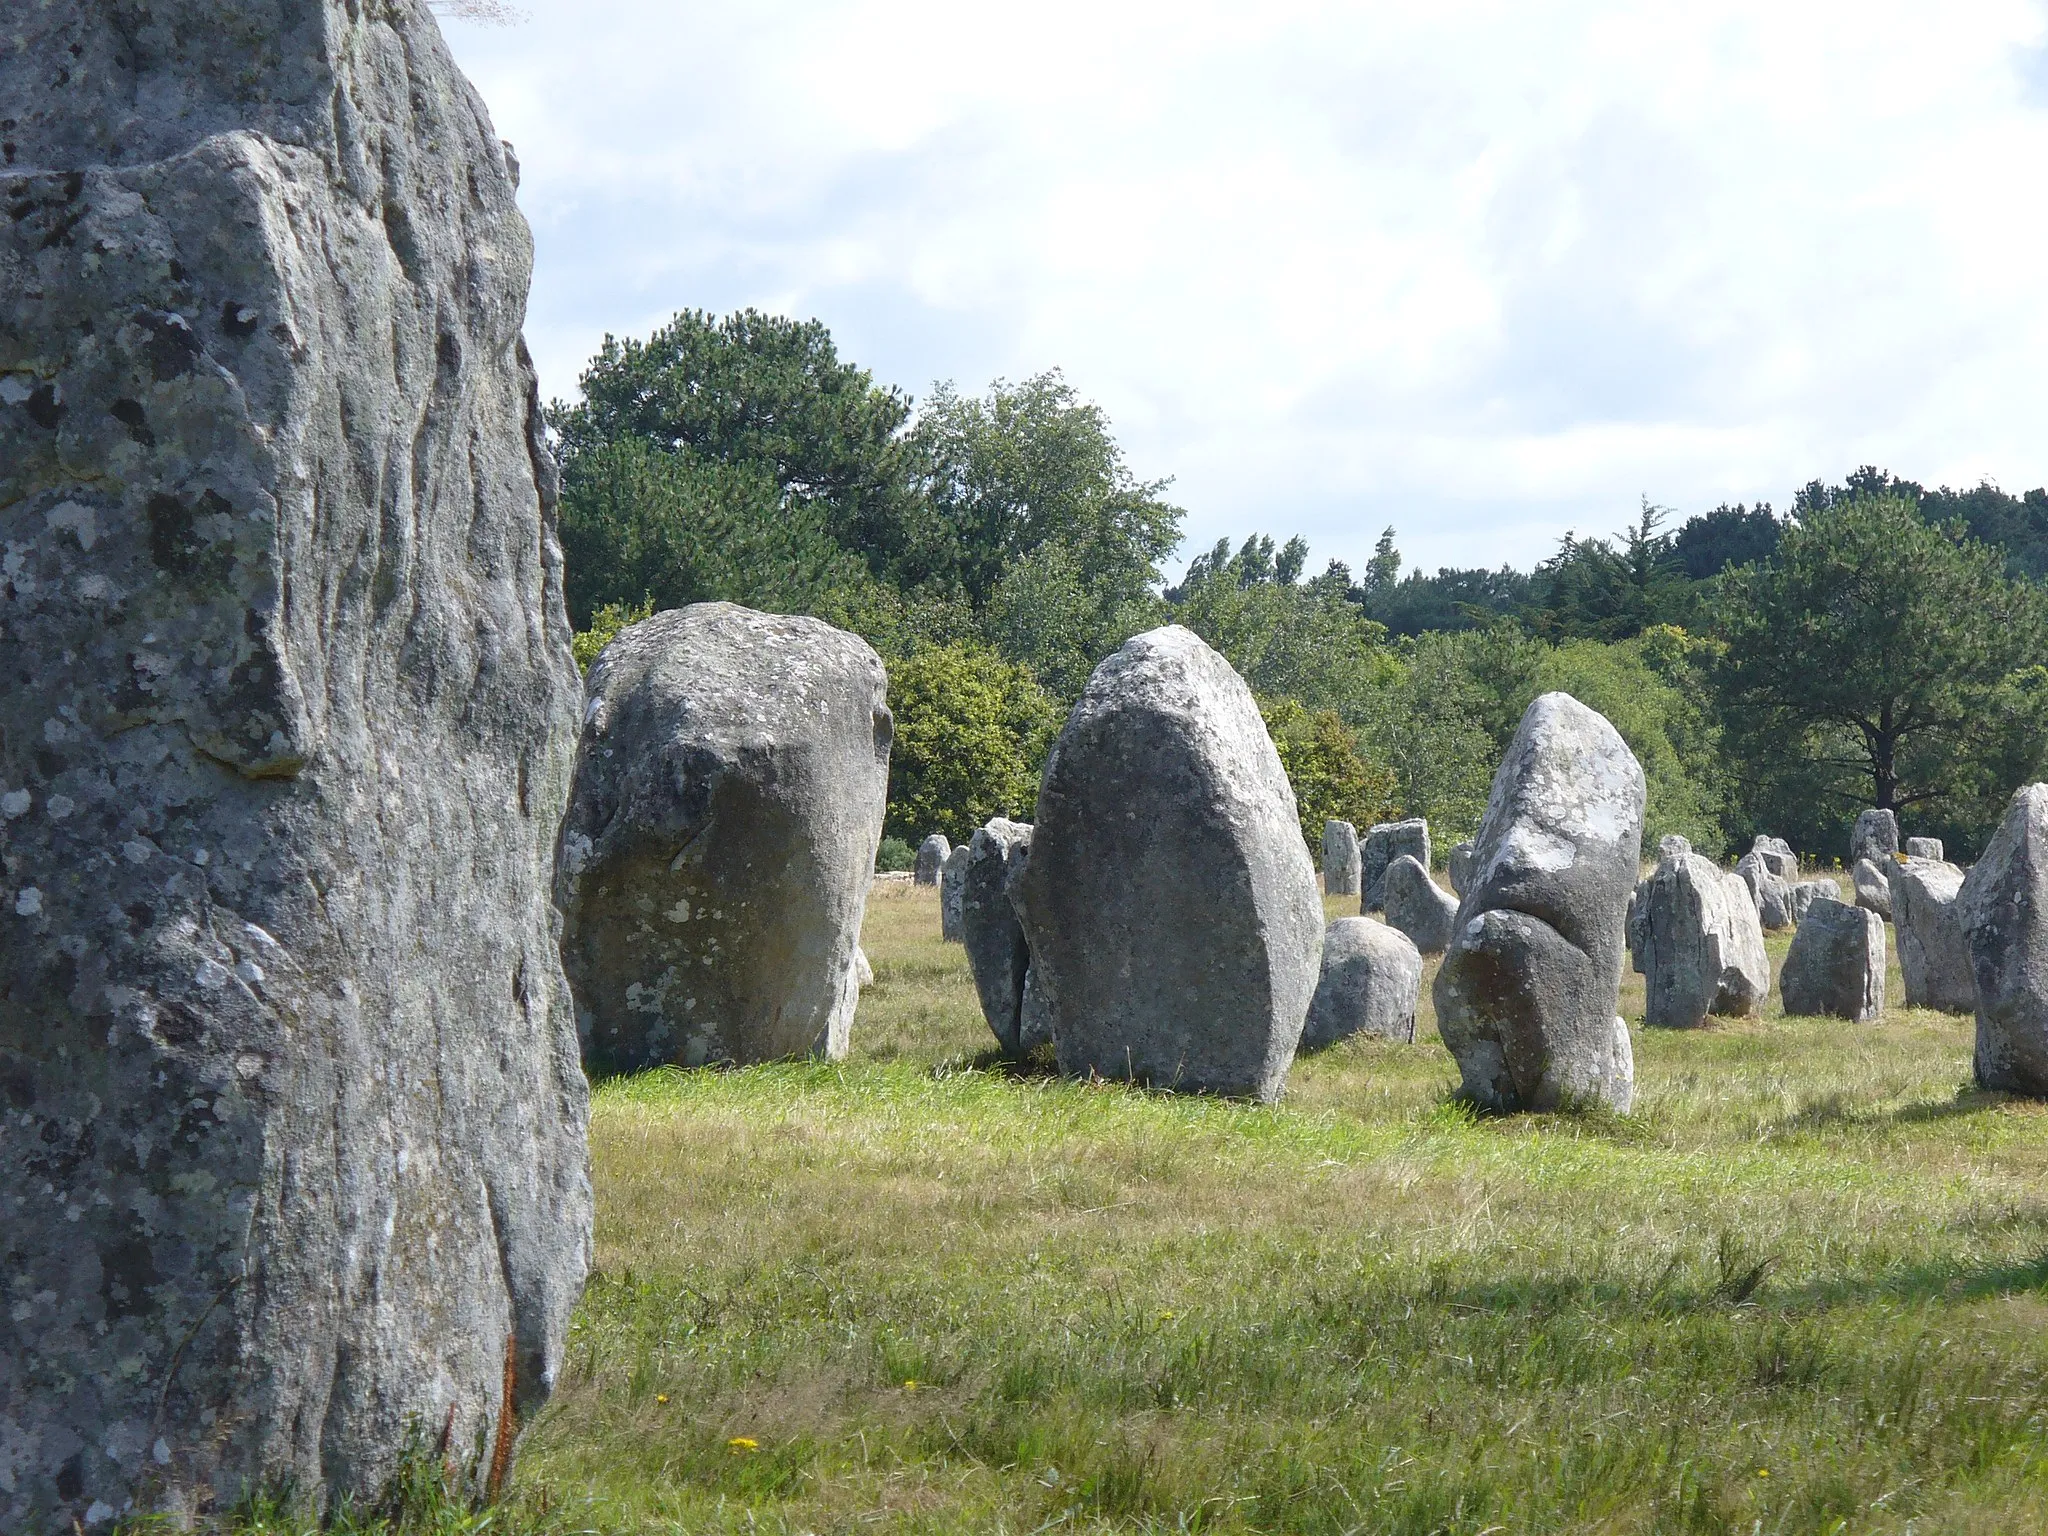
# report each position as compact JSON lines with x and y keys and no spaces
{"x":1873,"y":644}
{"x":1590,"y":589}
{"x":1737,"y":535}
{"x":972,"y":732}
{"x":1332,"y":780}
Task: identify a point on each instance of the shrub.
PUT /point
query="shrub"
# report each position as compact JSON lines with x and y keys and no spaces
{"x":972,"y":731}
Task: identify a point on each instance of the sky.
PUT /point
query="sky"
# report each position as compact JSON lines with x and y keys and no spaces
{"x":1484,"y":273}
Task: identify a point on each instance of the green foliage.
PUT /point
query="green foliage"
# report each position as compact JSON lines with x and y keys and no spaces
{"x":1593,"y":589}
{"x":894,"y":856}
{"x":972,"y":731}
{"x":1429,"y":726}
{"x":605,"y":624}
{"x":1332,"y":780}
{"x":1869,"y":656}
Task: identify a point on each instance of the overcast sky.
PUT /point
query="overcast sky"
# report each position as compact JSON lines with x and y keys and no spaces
{"x":1484,"y":272}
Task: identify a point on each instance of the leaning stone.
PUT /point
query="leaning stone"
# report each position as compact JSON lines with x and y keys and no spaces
{"x":1383,"y":844}
{"x":1419,"y":907}
{"x":292,"y":1152}
{"x":996,"y":950}
{"x":1179,"y":947}
{"x":1460,"y":867}
{"x":1700,"y":945}
{"x":1873,"y":887}
{"x":1876,"y":838}
{"x":721,"y":839}
{"x":1527,"y":993}
{"x":950,"y":894}
{"x":1340,"y":859}
{"x":863,"y":970}
{"x":1835,"y":967}
{"x":1777,"y":856}
{"x":1924,"y":848}
{"x":2003,"y":908}
{"x":1934,"y":957}
{"x":1773,"y":897}
{"x":1371,"y":980}
{"x":1807,"y":892}
{"x":932,"y":854}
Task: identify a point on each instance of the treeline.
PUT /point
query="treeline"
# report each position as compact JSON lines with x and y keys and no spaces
{"x":1879,"y":644}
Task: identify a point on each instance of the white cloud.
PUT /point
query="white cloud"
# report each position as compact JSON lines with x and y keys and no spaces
{"x":1480,"y":270}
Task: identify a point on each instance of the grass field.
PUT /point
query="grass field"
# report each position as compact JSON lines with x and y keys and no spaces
{"x":1803,"y":1289}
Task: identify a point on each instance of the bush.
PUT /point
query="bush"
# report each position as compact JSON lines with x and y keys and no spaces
{"x":972,"y":731}
{"x":894,"y":856}
{"x":1332,"y":781}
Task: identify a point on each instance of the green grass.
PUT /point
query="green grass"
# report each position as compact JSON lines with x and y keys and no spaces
{"x":1803,"y":1289}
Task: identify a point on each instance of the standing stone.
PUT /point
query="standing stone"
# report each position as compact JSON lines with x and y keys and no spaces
{"x":2003,"y":907}
{"x":1934,"y":957}
{"x":1777,"y":856}
{"x":1875,"y":838}
{"x":721,"y":839}
{"x":1419,"y":907}
{"x":1383,"y":844}
{"x":1178,"y":947}
{"x":1924,"y":848}
{"x":1526,"y":996}
{"x":1835,"y":967}
{"x":950,"y":892}
{"x":1340,"y":859}
{"x":1773,"y":897}
{"x":1699,"y":943}
{"x":292,"y":1153}
{"x":1460,"y":868}
{"x":997,"y":953}
{"x":932,"y":854}
{"x":1873,"y":886}
{"x":863,"y":969}
{"x":1807,"y":892}
{"x":1371,"y":980}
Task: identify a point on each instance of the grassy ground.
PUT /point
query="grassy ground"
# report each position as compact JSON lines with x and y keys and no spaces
{"x":1804,"y":1288}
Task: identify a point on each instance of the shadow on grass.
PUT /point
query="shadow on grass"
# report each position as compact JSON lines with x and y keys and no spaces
{"x":1835,"y":1111}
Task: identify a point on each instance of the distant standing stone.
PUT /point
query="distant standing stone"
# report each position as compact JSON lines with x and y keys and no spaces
{"x":721,"y":838}
{"x":932,"y":854}
{"x":1460,"y":868}
{"x":1170,"y":902}
{"x":1773,"y":897}
{"x":1835,"y":967}
{"x":1526,"y":997}
{"x":989,"y":927}
{"x":1700,"y":945}
{"x":1934,"y":957}
{"x":1340,"y":859}
{"x":1876,"y":837}
{"x":1924,"y":848}
{"x":949,"y":894}
{"x":863,"y":970}
{"x":1419,"y":907}
{"x":1778,"y":857}
{"x":1807,"y":892}
{"x":1874,"y":886}
{"x":1385,"y":843}
{"x":1371,"y":980}
{"x":2003,"y":907}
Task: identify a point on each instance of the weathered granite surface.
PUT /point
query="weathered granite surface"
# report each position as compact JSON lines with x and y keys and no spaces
{"x":292,"y":1145}
{"x":1836,"y":964}
{"x":1698,"y":942}
{"x":932,"y":854}
{"x":1418,"y":906}
{"x":1382,"y":844}
{"x":997,"y":953}
{"x":2003,"y":908}
{"x":721,"y":837}
{"x":1170,"y":904}
{"x":950,"y":891}
{"x":1934,"y":955}
{"x":1526,"y":995}
{"x":1340,"y":859}
{"x":1875,"y":837}
{"x":1772,"y":896}
{"x":1370,"y":983}
{"x":1874,"y":886}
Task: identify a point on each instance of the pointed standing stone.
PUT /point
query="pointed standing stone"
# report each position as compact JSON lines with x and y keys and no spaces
{"x":1419,"y":907}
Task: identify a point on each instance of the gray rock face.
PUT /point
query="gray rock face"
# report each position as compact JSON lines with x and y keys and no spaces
{"x":1526,"y":995}
{"x":950,"y":893}
{"x":1698,"y":943}
{"x":1386,"y":842}
{"x":291,"y":1123}
{"x":1934,"y":957}
{"x":1773,"y":897}
{"x":1924,"y":848}
{"x":1371,"y":980}
{"x":1340,"y":859}
{"x":1835,"y":967}
{"x":1419,"y":907}
{"x":1460,"y":866}
{"x":1874,"y":886}
{"x":1177,"y":948}
{"x":2003,"y":908}
{"x":1777,"y":856}
{"x":1876,"y":838}
{"x":1807,"y":892}
{"x":721,"y":839}
{"x":863,"y":969}
{"x":989,"y":926}
{"x":932,"y":854}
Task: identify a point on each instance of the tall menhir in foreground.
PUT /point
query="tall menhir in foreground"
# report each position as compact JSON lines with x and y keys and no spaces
{"x":1526,"y":996}
{"x":2003,"y":911}
{"x":292,"y":1152}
